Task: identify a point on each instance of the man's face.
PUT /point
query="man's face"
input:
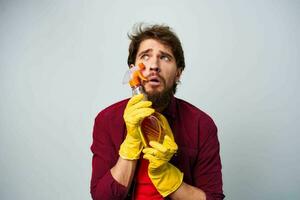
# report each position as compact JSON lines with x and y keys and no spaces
{"x":161,"y":69}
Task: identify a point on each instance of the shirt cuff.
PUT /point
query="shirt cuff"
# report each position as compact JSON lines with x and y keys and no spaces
{"x":110,"y":188}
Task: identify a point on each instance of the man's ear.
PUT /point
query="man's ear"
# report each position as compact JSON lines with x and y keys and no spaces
{"x":131,"y":66}
{"x":178,"y":73}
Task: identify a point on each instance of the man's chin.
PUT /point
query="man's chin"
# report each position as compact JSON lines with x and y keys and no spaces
{"x":159,"y":99}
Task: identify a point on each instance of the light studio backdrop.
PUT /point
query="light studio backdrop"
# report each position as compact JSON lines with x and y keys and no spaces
{"x":61,"y":62}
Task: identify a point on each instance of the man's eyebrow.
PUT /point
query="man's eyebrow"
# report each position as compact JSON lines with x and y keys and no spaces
{"x":145,"y":51}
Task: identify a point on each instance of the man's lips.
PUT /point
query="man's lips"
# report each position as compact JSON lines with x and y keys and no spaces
{"x":154,"y":80}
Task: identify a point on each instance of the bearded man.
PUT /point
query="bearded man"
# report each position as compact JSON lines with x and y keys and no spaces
{"x":186,"y":164}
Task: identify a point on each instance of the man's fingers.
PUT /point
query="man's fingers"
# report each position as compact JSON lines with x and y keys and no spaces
{"x":154,"y":152}
{"x":158,"y":146}
{"x":155,"y":158}
{"x":135,"y":99}
{"x":149,"y":151}
{"x":170,"y":144}
{"x":149,"y":157}
{"x":142,"y":113}
{"x":138,"y":105}
{"x":136,"y":116}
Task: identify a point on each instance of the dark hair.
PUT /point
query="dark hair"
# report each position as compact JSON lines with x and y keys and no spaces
{"x":161,"y":33}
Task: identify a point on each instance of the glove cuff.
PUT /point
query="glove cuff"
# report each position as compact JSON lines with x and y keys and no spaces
{"x":169,"y":182}
{"x":131,"y":148}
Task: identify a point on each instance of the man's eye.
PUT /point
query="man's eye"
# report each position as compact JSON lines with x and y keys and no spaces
{"x":165,"y":58}
{"x":145,"y":57}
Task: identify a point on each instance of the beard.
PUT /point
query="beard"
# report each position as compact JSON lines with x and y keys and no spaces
{"x":160,"y":100}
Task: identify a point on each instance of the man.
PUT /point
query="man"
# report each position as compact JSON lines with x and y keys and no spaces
{"x":186,"y":165}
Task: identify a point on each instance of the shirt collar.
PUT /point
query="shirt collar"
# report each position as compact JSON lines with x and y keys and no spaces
{"x":170,"y":110}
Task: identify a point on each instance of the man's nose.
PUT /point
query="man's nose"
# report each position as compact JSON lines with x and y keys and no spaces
{"x":155,"y":66}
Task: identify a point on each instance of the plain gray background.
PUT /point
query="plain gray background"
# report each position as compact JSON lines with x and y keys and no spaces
{"x":61,"y":62}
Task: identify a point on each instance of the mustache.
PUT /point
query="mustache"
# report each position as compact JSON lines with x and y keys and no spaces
{"x":158,"y":76}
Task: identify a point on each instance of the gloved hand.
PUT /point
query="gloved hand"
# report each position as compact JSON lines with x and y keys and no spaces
{"x":136,"y":110}
{"x":165,"y":177}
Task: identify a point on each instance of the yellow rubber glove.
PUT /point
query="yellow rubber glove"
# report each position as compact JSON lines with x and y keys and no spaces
{"x":164,"y":176}
{"x":136,"y":110}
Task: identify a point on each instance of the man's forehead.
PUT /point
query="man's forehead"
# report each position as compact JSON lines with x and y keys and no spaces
{"x":151,"y":44}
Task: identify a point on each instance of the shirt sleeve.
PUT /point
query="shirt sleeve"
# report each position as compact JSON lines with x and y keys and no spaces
{"x":103,"y":185}
{"x":207,"y":171}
